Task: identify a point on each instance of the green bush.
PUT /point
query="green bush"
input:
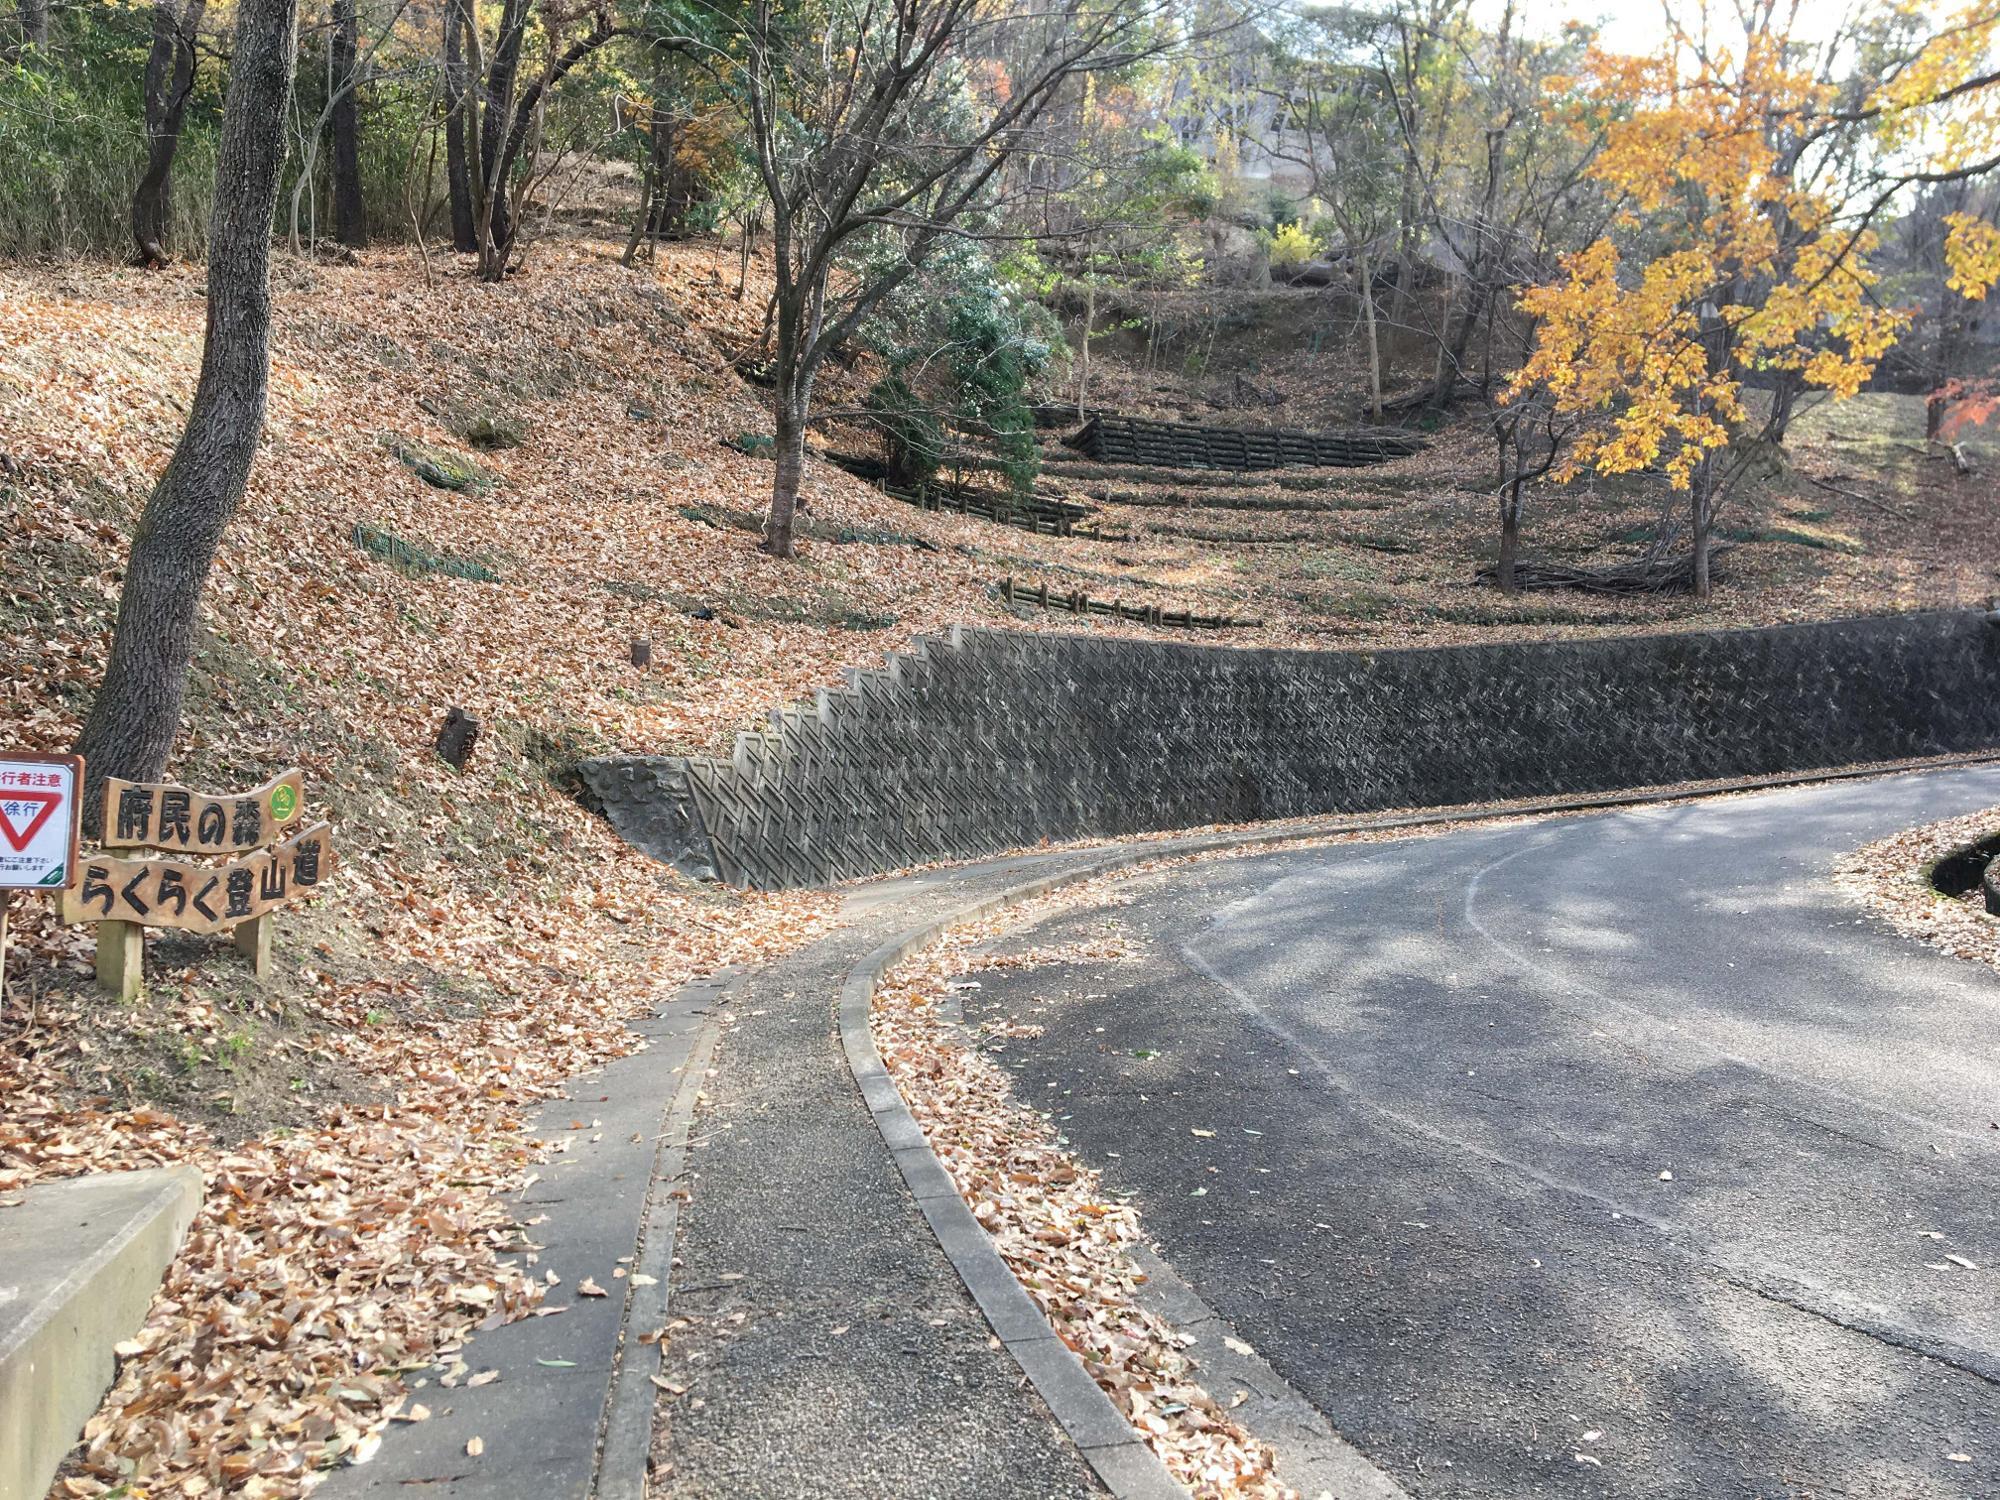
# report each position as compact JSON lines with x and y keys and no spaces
{"x":961,"y":344}
{"x":911,"y":434}
{"x":71,"y":153}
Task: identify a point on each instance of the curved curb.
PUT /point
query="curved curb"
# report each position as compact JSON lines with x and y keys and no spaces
{"x":1108,"y":1442}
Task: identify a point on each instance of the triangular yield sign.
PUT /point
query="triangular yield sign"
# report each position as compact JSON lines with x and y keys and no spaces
{"x":19,"y":837}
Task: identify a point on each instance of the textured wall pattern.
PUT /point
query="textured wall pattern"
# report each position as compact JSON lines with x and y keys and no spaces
{"x":994,"y":740}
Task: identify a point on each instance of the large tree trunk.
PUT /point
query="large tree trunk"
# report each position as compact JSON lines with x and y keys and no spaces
{"x":789,"y":410}
{"x":654,"y":190}
{"x":1510,"y":535}
{"x":35,"y":24}
{"x":642,"y":221}
{"x":1083,"y":350}
{"x":132,"y":725}
{"x":1451,"y":353}
{"x":670,"y":194}
{"x":461,"y":138}
{"x":1701,"y":516}
{"x":496,"y":224}
{"x":350,"y":224}
{"x":169,"y":83}
{"x":1786,"y":389}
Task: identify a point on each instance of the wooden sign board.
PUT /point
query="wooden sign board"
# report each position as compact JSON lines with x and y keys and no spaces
{"x":39,"y":820}
{"x":161,"y":815}
{"x":197,"y":897}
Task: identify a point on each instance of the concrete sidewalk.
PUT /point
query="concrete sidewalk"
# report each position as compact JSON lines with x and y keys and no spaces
{"x":830,"y":1347}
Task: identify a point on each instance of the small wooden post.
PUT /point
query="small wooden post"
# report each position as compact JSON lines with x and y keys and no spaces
{"x":253,"y":941}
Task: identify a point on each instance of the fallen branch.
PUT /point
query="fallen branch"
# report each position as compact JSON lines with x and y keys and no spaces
{"x":1881,"y":505}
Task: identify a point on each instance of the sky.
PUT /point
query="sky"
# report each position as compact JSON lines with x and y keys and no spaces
{"x":1638,"y":26}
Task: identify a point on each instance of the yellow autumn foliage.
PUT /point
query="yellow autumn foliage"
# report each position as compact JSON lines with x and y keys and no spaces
{"x":1726,"y":256}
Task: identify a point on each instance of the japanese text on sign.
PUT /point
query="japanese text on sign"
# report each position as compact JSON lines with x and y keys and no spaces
{"x":153,"y":815}
{"x":201,"y":898}
{"x":38,"y":820}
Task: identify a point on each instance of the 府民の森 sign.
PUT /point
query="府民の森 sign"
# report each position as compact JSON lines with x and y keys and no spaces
{"x":162,"y":815}
{"x":38,"y":820}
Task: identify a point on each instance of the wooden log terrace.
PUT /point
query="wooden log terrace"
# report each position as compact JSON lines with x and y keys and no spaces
{"x":1178,"y":445}
{"x":1080,"y":603}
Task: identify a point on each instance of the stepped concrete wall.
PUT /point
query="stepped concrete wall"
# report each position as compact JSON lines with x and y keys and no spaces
{"x":992,"y":740}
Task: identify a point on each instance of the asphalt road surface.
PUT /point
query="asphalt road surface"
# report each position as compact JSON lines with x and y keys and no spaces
{"x":1604,"y":1156}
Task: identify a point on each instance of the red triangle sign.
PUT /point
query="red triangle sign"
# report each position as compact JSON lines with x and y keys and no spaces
{"x":49,"y":801}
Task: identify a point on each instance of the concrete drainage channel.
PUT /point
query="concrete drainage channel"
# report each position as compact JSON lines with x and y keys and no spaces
{"x":1976,"y":866}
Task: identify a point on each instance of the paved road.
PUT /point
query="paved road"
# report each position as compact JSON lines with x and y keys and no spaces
{"x":1447,"y":1079}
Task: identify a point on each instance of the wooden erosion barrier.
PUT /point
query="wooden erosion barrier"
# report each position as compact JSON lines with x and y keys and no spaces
{"x":1182,"y":445}
{"x":1079,"y":603}
{"x":263,"y":870}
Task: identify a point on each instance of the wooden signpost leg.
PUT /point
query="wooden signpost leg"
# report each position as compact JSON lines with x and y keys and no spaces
{"x":121,"y":950}
{"x":121,"y":953}
{"x":6,"y":906}
{"x":253,"y":941}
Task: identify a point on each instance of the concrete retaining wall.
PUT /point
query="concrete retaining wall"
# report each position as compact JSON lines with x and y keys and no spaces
{"x":994,"y":740}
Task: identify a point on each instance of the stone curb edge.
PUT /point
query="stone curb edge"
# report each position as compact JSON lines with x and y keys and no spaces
{"x":1109,"y":1443}
{"x":1112,"y":1447}
{"x":625,"y":1432}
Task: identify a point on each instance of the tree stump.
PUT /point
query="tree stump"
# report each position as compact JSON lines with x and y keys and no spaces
{"x":456,"y":739}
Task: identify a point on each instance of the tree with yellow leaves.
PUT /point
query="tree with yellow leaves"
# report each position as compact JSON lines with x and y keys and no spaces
{"x":1747,"y":178}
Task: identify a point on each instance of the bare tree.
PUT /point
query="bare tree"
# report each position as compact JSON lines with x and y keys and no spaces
{"x":461,"y":125}
{"x":510,"y":113}
{"x":1346,"y":139}
{"x":170,"y":66}
{"x":879,"y":128}
{"x":132,"y":725}
{"x":343,"y":51}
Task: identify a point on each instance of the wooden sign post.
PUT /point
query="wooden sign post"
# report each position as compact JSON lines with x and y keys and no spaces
{"x":39,"y":799}
{"x":124,"y":895}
